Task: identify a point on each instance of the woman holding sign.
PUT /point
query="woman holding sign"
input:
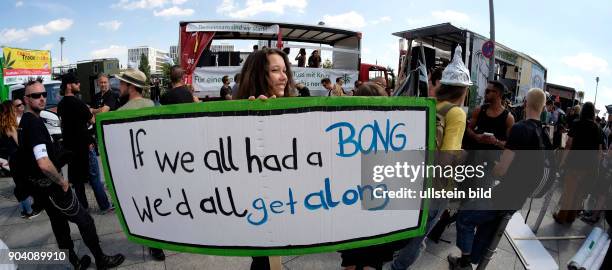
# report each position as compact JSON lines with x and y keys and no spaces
{"x":266,"y":74}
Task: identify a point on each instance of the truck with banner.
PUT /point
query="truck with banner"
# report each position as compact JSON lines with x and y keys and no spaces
{"x":434,"y":45}
{"x":20,"y":64}
{"x":206,"y":68}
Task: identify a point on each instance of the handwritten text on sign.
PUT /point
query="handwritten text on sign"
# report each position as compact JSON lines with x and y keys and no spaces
{"x":257,"y":181}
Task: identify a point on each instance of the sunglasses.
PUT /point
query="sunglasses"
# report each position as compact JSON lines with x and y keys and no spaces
{"x":37,"y":95}
{"x":18,"y":105}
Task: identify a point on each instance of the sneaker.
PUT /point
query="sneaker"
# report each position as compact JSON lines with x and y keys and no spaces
{"x":83,"y":263}
{"x":109,"y":261}
{"x":157,"y":254}
{"x":24,"y":215}
{"x":454,"y":264}
{"x":34,"y":214}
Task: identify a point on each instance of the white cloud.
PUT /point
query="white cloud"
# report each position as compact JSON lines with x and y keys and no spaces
{"x":47,"y":46}
{"x":381,"y":20}
{"x":110,"y":25}
{"x":174,"y":11}
{"x":19,"y":35}
{"x":52,"y":26}
{"x":178,"y":2}
{"x":19,"y":3}
{"x":576,"y":82}
{"x":452,"y":16}
{"x":350,"y":20}
{"x":586,"y":62}
{"x":113,"y":51}
{"x":254,"y":7}
{"x":140,"y":4}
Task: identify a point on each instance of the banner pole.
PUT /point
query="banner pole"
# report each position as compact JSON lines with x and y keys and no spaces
{"x":275,"y":263}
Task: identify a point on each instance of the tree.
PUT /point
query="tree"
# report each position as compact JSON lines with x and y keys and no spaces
{"x":165,"y":76}
{"x":144,"y":67}
{"x":327,"y":64}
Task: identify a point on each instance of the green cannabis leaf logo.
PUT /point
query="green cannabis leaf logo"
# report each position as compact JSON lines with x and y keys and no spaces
{"x":8,"y":62}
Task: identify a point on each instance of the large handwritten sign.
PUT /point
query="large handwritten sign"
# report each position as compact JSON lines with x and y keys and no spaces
{"x":249,"y":178}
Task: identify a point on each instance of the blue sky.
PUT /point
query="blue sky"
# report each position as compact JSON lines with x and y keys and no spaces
{"x":570,"y":39}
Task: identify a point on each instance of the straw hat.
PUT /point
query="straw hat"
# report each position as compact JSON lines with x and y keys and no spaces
{"x":134,"y":77}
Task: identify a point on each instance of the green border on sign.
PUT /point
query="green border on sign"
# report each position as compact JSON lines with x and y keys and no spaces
{"x":426,"y":104}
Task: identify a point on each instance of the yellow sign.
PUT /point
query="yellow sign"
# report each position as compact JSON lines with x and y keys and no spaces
{"x":19,"y":64}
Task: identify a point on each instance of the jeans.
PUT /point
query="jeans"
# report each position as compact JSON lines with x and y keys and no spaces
{"x":26,"y":205}
{"x":96,"y":184}
{"x":62,"y":207}
{"x":487,"y":222}
{"x":411,"y":252}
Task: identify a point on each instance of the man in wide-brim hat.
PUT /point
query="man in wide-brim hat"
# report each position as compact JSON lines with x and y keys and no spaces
{"x":133,"y":82}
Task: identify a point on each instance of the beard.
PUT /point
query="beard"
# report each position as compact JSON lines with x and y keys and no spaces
{"x":35,"y":109}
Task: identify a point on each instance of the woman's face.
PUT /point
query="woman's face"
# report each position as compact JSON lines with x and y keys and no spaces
{"x":277,"y":75}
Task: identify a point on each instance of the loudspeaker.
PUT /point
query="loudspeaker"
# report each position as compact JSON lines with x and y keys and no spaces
{"x":224,"y":59}
{"x":234,"y":58}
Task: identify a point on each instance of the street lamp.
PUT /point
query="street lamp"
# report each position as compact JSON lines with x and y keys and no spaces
{"x":62,"y":40}
{"x":596,"y":86}
{"x":492,"y":26}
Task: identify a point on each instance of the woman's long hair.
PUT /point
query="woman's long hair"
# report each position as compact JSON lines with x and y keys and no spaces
{"x":8,"y":119}
{"x":254,"y":74}
{"x":369,"y":89}
{"x":587,"y":112}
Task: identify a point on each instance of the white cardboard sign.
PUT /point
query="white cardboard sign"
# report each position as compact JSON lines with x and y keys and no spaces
{"x":268,"y":178}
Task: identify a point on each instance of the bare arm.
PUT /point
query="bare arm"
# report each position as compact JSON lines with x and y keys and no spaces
{"x":102,"y":109}
{"x":568,"y":147}
{"x":47,"y":167}
{"x":472,"y":125}
{"x":509,"y":124}
{"x":501,"y":168}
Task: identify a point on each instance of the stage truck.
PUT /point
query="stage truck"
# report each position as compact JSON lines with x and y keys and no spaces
{"x":206,"y":63}
{"x":433,"y":46}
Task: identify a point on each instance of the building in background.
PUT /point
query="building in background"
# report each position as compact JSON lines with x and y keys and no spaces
{"x":174,"y":52}
{"x":156,"y":57}
{"x":222,"y":48}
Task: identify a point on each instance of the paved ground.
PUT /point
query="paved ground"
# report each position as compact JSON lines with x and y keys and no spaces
{"x":20,"y":233}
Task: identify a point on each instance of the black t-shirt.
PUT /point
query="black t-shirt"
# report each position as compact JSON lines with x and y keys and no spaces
{"x":225,"y":90}
{"x":32,"y":132}
{"x":526,"y":169}
{"x":586,"y":135}
{"x":110,"y":99}
{"x":75,"y":118}
{"x":176,"y":95}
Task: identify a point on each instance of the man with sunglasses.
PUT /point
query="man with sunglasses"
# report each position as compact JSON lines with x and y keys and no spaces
{"x":490,"y":123}
{"x":36,"y":158}
{"x":76,"y":117}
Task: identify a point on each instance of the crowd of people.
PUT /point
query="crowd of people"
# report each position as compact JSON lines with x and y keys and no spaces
{"x":503,"y":132}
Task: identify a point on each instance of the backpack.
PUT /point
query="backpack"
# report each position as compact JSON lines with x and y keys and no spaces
{"x":549,"y":167}
{"x":441,"y":123}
